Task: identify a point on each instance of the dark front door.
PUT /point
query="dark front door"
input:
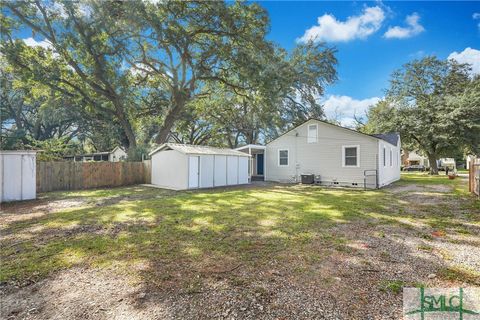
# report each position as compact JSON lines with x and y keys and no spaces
{"x":260,"y":164}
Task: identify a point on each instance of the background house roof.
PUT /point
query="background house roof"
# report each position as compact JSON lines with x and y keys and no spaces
{"x":195,"y":149}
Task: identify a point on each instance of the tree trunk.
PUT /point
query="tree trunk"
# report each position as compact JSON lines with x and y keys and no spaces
{"x":432,"y":158}
{"x":170,"y":119}
{"x":126,"y":125}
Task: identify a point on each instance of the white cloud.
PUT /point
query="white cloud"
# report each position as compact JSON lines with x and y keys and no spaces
{"x":34,"y":43}
{"x":413,"y":28}
{"x":469,"y":55}
{"x":476,"y":16}
{"x":343,"y":108}
{"x":355,"y":27}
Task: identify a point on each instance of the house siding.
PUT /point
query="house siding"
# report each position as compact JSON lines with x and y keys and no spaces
{"x":389,"y":173}
{"x":117,"y":155}
{"x":323,"y":157}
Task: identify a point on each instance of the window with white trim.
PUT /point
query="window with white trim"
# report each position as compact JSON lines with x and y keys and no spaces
{"x":312,"y":135}
{"x":351,"y":155}
{"x":391,"y":157}
{"x":283,"y":158}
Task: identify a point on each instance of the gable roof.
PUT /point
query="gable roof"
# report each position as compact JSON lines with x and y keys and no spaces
{"x":197,"y":149}
{"x":340,"y":127}
{"x":391,"y":137}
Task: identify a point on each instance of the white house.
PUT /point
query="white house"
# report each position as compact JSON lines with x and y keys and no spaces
{"x":116,"y":155}
{"x":334,"y":155}
{"x":412,"y":158}
{"x":181,"y":166}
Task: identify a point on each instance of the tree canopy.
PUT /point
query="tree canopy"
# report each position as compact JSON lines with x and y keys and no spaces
{"x":434,"y":105}
{"x":135,"y":73}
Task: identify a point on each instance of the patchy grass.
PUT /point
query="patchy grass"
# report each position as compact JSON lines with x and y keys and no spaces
{"x":134,"y":226}
{"x":460,"y":274}
{"x":121,"y":225}
{"x":395,"y":286}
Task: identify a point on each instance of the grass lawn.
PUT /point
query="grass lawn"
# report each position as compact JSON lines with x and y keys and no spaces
{"x":238,"y":239}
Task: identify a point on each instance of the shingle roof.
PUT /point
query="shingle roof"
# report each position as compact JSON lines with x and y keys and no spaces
{"x":391,"y":137}
{"x":195,"y":149}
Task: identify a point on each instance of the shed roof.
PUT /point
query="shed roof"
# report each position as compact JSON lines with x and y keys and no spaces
{"x":196,"y":149}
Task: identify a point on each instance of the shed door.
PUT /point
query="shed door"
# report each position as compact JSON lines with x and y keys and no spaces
{"x":193,"y":171}
{"x":220,"y":168}
{"x":232,"y":170}
{"x":12,"y":173}
{"x":206,"y":171}
{"x":243,"y":170}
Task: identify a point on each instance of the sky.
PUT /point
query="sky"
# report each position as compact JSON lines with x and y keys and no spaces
{"x":375,"y":38}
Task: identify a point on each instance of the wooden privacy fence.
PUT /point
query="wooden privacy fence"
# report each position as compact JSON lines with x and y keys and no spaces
{"x":474,"y":176}
{"x":53,"y":176}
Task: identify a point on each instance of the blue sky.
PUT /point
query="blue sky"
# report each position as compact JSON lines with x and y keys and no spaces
{"x":375,"y":38}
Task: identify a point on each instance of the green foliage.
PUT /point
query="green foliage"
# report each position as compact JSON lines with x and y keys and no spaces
{"x":128,"y":73}
{"x":433,"y":104}
{"x":53,"y":149}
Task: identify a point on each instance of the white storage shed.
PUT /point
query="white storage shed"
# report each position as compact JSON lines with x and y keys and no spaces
{"x":181,"y":167}
{"x":18,"y":176}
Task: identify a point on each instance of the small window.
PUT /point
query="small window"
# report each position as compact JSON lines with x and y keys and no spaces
{"x":283,"y":158}
{"x":384,"y":156}
{"x":350,"y":156}
{"x":312,"y":133}
{"x":391,"y":157}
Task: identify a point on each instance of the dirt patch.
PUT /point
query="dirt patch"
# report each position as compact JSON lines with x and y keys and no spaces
{"x":27,"y":210}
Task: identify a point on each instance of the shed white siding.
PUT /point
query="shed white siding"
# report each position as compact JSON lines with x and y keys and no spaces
{"x":207,"y":171}
{"x":17,"y":175}
{"x":232,"y":170}
{"x":220,"y":171}
{"x":181,"y":167}
{"x":170,"y":170}
{"x":242,"y":170}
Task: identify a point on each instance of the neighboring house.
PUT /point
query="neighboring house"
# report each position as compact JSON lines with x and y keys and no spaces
{"x":335,"y":155}
{"x":412,"y":158}
{"x":182,"y":166}
{"x":117,"y":154}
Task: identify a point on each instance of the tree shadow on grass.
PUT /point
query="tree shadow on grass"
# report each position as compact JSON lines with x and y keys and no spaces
{"x":188,"y":242}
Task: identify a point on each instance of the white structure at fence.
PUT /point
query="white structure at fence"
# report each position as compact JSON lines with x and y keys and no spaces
{"x":17,"y":175}
{"x":181,"y":166}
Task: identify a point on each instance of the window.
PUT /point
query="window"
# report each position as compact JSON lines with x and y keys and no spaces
{"x":312,"y":133}
{"x":391,"y":157}
{"x":283,"y":158}
{"x":351,"y":156}
{"x":384,"y":156}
